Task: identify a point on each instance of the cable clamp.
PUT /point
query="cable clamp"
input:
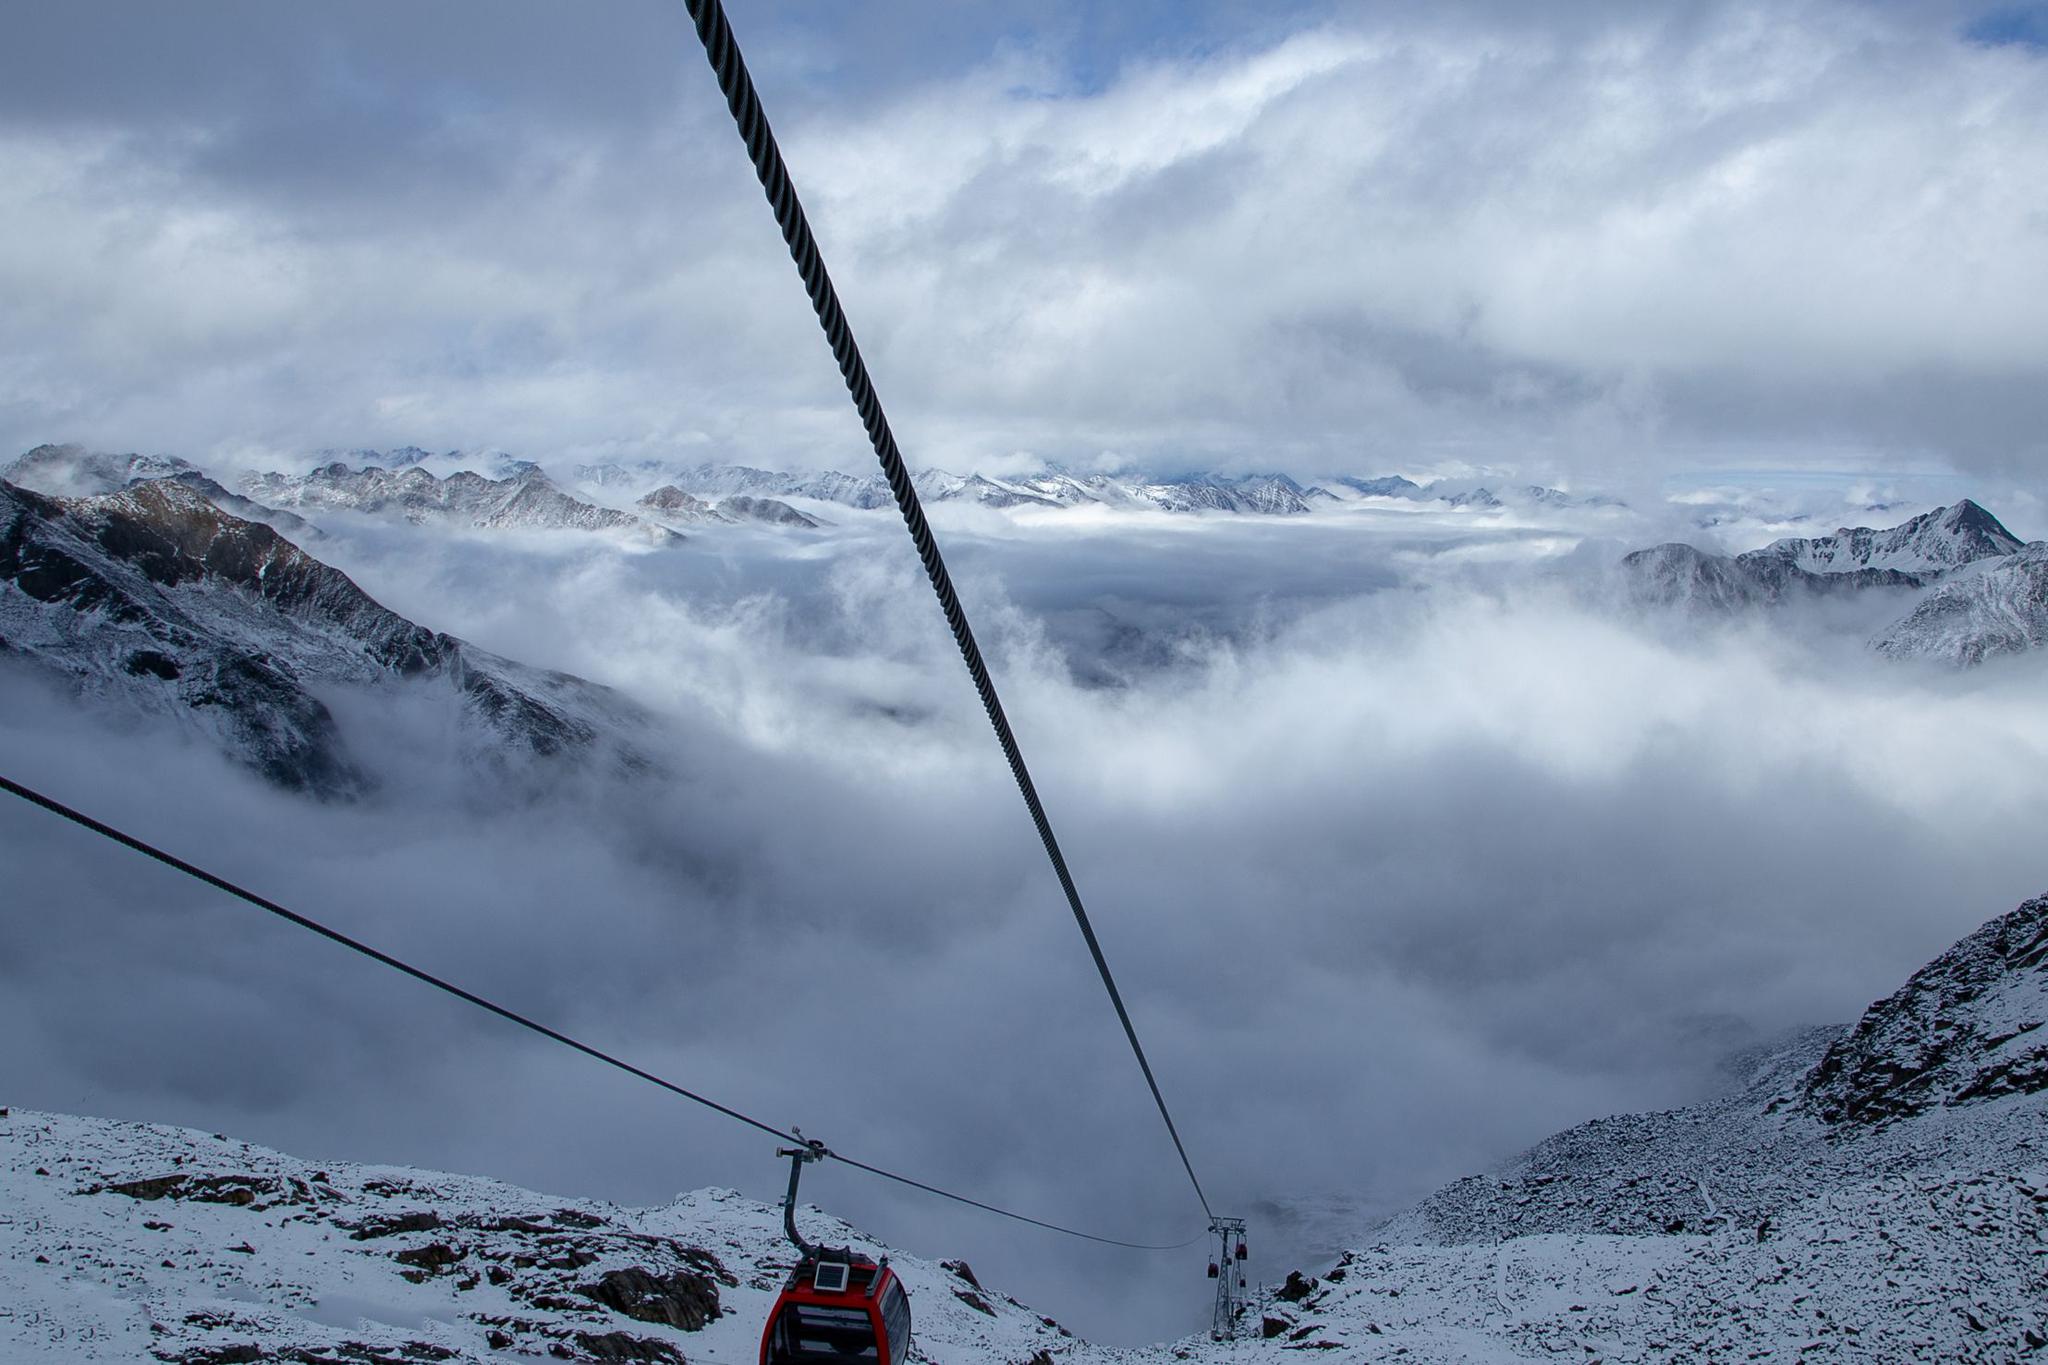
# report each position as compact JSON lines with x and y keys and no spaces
{"x":812,"y":1149}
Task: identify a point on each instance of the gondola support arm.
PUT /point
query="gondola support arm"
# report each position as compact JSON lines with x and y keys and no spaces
{"x":812,"y":1150}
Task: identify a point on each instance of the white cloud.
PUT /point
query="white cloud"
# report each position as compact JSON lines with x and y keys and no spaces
{"x":1626,"y":236}
{"x":1396,"y":878}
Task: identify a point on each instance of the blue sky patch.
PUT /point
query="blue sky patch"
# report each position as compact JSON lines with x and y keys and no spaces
{"x":2013,"y":26}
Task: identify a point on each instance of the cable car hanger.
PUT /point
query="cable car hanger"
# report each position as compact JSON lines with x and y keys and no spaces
{"x":836,"y":1305}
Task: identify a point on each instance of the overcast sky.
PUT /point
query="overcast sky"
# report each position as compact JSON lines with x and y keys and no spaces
{"x":1582,"y":240}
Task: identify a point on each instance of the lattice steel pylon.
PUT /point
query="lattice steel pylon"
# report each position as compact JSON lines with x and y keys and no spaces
{"x":1227,"y":1269}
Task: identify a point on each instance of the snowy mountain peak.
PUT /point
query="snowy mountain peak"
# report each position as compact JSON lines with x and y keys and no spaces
{"x":1989,"y":591}
{"x":1936,"y":541}
{"x":1968,"y":518}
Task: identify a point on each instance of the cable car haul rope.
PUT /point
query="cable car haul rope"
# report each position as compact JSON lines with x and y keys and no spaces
{"x":745,"y":103}
{"x":832,"y":1295}
{"x":354,"y":945}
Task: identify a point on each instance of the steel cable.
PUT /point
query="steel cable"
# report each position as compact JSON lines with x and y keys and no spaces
{"x":723,"y":52}
{"x":171,"y":860}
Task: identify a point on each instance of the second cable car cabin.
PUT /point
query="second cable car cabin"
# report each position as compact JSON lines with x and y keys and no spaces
{"x":838,"y":1308}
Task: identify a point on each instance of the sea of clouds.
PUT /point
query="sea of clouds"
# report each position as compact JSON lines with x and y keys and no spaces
{"x":1408,"y":843}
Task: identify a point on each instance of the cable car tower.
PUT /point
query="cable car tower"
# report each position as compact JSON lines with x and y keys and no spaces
{"x":1227,"y":1269}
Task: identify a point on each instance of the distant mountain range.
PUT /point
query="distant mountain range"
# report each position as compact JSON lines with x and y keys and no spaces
{"x":1984,"y":589}
{"x":1246,"y":494}
{"x":154,"y":600}
{"x":519,"y":494}
{"x":1252,"y":494}
{"x":1989,"y":589}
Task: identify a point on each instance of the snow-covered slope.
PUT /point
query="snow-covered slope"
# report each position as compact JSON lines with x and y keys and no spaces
{"x":154,"y":600}
{"x":1877,"y":1194}
{"x":139,"y":1243}
{"x":1871,"y":1194}
{"x":1386,"y":486}
{"x":715,"y":481}
{"x":671,"y":504}
{"x":1258,"y":494}
{"x":288,"y":524}
{"x":2001,"y":609}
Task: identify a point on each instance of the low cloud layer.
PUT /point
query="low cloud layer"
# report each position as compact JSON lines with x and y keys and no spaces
{"x":1607,"y":242}
{"x":1399,"y":875}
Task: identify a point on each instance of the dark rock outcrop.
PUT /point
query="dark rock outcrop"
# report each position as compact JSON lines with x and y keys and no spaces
{"x":1297,"y":1287}
{"x":682,"y":1299}
{"x":1966,"y":1027}
{"x":769,"y":511}
{"x":624,"y":1346}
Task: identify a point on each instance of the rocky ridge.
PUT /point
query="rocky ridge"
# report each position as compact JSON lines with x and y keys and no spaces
{"x":525,"y":499}
{"x":1934,"y":542}
{"x":1986,"y":590}
{"x":672,"y":505}
{"x":154,"y":600}
{"x":72,"y":471}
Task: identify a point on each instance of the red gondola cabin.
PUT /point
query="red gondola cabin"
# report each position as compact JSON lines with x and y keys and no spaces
{"x":838,"y":1308}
